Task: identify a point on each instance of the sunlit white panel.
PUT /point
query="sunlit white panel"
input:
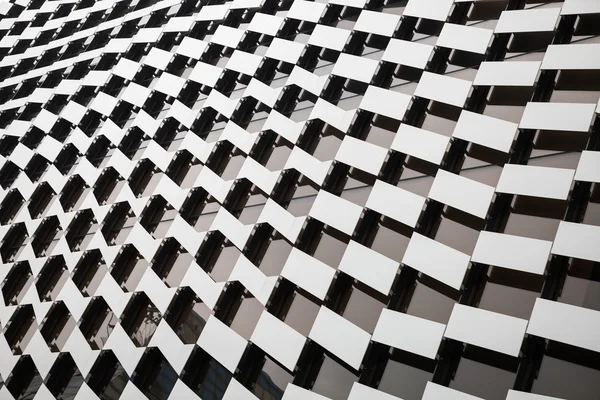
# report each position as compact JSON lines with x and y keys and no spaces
{"x":577,"y":240}
{"x":222,"y":343}
{"x":462,"y":193}
{"x":565,"y":323}
{"x":529,"y":180}
{"x":512,"y":252}
{"x":327,"y":330}
{"x":436,"y":260}
{"x":573,"y":117}
{"x":487,"y":131}
{"x":532,"y":20}
{"x":487,"y":329}
{"x":369,"y":267}
{"x":409,"y":333}
{"x":279,"y":340}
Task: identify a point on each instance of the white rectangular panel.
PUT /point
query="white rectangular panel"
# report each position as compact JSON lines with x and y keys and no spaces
{"x":222,"y":343}
{"x":420,"y":143}
{"x":354,"y":67}
{"x":306,"y":10}
{"x":336,"y":212}
{"x":529,"y":180}
{"x":385,"y":102}
{"x":572,"y":56}
{"x":278,"y":339}
{"x":409,"y":333}
{"x":444,"y":89}
{"x":411,"y":54}
{"x":577,"y":240}
{"x":502,"y":73}
{"x":362,"y":392}
{"x":385,"y":198}
{"x":572,"y":117}
{"x":516,"y":395}
{"x":372,"y":156}
{"x":327,"y":330}
{"x":565,"y":323}
{"x":437,"y":10}
{"x":309,"y":273}
{"x":369,"y":267}
{"x":466,"y":38}
{"x":487,"y":329}
{"x":588,"y":169}
{"x":490,"y":132}
{"x":462,"y":193}
{"x":532,"y":20}
{"x":433,"y":391}
{"x":329,"y":37}
{"x":579,"y":7}
{"x":293,"y":392}
{"x":512,"y":252}
{"x":436,"y":260}
{"x":377,"y":22}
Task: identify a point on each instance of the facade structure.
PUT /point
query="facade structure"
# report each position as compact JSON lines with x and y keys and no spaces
{"x":276,"y":199}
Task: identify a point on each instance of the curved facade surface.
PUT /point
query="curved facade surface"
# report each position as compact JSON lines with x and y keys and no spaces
{"x":276,"y":199}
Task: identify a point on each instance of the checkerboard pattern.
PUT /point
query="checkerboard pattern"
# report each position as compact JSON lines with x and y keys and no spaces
{"x":288,"y":199}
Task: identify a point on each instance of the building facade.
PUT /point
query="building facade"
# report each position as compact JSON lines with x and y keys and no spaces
{"x":298,"y":200}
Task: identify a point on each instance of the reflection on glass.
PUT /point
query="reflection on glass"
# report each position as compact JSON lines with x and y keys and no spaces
{"x":406,"y":375}
{"x":17,"y":282}
{"x":271,"y":381}
{"x":303,"y":198}
{"x":380,"y":136}
{"x":507,"y":113}
{"x":116,"y":385}
{"x":569,"y":373}
{"x":224,"y":262}
{"x":154,"y":376}
{"x":171,"y":262}
{"x":485,"y":375}
{"x":330,"y":248}
{"x":357,"y":187}
{"x":457,"y":235}
{"x":246,"y":316}
{"x":252,"y":209}
{"x":592,"y":214}
{"x":275,"y":256}
{"x":334,"y":381}
{"x":162,"y":384}
{"x":582,"y":285}
{"x":510,"y":292}
{"x":233,"y":167}
{"x":97,"y":323}
{"x":327,"y":147}
{"x":554,"y":159}
{"x":301,"y":313}
{"x":364,"y":306}
{"x":488,"y":175}
{"x":140,"y":319}
{"x":522,"y":220}
{"x":191,"y":175}
{"x":391,"y":239}
{"x":205,"y":376}
{"x":439,"y":125}
{"x":357,"y":196}
{"x":19,"y":334}
{"x":417,"y":183}
{"x":278,"y":157}
{"x":25,"y":380}
{"x":432,"y":300}
{"x":128,"y":268}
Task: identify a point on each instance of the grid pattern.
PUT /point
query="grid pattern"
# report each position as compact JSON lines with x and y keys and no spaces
{"x":276,"y":199}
